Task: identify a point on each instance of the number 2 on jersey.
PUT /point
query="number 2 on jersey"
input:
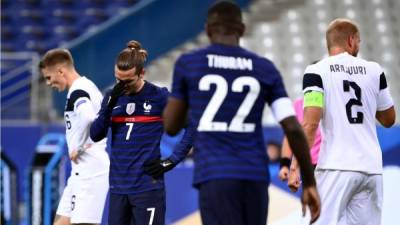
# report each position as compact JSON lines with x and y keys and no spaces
{"x":237,"y":124}
{"x":353,"y":101}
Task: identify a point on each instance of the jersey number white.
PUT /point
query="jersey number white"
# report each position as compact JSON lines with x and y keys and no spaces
{"x":128,"y":134}
{"x":152,"y":211}
{"x":206,"y":122}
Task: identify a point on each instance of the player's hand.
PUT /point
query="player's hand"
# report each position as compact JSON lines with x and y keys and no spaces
{"x":75,"y":154}
{"x":157,"y":167}
{"x":284,"y":173}
{"x":117,"y":91}
{"x":294,"y":180}
{"x":310,"y":198}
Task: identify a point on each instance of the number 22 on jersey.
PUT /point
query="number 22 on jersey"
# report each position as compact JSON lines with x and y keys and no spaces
{"x":237,"y":124}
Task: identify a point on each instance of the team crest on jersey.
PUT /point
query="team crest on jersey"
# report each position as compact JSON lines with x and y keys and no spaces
{"x":130,"y":108}
{"x":146,"y":107}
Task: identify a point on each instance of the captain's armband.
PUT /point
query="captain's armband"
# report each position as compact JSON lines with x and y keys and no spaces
{"x":314,"y":98}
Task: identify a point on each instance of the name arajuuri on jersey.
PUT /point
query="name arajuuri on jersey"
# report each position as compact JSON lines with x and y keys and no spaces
{"x":352,"y":70}
{"x":229,"y":62}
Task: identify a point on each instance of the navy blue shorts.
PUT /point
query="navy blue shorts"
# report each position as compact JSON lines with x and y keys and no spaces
{"x":139,"y":209}
{"x":233,"y":202}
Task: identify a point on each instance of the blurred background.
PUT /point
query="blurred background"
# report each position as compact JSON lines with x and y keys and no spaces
{"x":289,"y":32}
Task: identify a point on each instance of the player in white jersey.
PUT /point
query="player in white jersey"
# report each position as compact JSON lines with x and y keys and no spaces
{"x":347,"y":94}
{"x":84,"y":196}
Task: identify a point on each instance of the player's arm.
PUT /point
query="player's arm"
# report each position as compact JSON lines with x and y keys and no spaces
{"x":386,"y":117}
{"x":86,"y":114}
{"x":99,"y":127}
{"x":284,"y":162}
{"x":183,"y":147}
{"x":313,"y":91}
{"x":174,"y":115}
{"x":294,"y":180}
{"x":157,"y":167}
{"x":300,"y":148}
{"x":79,"y":102}
{"x":312,"y":116}
{"x":385,"y":114}
{"x":283,"y":111}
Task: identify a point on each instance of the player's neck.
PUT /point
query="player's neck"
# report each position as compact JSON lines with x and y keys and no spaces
{"x":339,"y":50}
{"x":72,"y":77}
{"x":231,"y":40}
{"x":139,"y":86}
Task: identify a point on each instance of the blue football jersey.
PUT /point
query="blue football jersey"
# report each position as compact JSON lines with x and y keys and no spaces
{"x":137,"y":128}
{"x":226,"y":88}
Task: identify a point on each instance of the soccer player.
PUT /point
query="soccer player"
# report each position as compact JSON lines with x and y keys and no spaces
{"x":224,"y":88}
{"x":132,"y":109}
{"x":347,"y":94}
{"x":88,"y":184}
{"x":289,"y":169}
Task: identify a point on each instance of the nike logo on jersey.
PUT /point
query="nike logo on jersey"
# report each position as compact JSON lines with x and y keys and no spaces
{"x":116,"y":107}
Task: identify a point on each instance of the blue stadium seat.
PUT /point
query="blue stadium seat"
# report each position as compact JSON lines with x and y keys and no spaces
{"x":30,"y":23}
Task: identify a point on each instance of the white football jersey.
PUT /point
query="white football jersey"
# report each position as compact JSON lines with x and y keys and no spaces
{"x":83,"y":103}
{"x":354,"y":90}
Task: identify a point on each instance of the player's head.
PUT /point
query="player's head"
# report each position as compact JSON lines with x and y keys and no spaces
{"x":55,"y":66}
{"x":343,"y":34}
{"x":224,"y":18}
{"x":129,"y":66}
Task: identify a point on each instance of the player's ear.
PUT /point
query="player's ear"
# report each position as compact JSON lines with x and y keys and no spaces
{"x":242,"y":29}
{"x":141,"y":74}
{"x":60,"y":70}
{"x":350,"y":41}
{"x":207,"y":29}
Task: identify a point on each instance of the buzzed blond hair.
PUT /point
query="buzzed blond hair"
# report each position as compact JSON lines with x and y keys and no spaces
{"x":56,"y":56}
{"x":338,"y":31}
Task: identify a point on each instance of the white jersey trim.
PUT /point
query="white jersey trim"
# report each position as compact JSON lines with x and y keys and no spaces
{"x":385,"y":100}
{"x":282,"y":108}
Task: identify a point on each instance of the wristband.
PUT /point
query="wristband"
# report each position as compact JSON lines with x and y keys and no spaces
{"x":285,"y":161}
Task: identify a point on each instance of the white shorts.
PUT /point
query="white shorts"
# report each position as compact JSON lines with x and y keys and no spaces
{"x":349,"y":197}
{"x":83,"y":199}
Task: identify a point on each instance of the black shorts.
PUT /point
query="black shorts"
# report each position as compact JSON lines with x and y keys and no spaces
{"x":138,"y":209}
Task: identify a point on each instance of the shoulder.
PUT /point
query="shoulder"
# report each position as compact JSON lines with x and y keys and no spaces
{"x":191,"y":55}
{"x":314,"y":68}
{"x":157,"y":90}
{"x":83,"y":85}
{"x":374,"y":67}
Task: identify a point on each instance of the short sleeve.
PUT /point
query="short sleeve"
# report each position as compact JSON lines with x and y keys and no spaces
{"x":312,"y":80}
{"x":76,"y":99}
{"x":385,"y":100}
{"x":179,"y":82}
{"x":277,"y":88}
{"x":164,"y":96}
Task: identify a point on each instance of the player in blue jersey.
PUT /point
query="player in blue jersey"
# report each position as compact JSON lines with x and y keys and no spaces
{"x":224,"y":88}
{"x":133,"y":112}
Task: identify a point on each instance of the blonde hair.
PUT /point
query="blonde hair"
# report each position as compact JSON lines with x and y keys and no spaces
{"x":56,"y":56}
{"x":338,"y":31}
